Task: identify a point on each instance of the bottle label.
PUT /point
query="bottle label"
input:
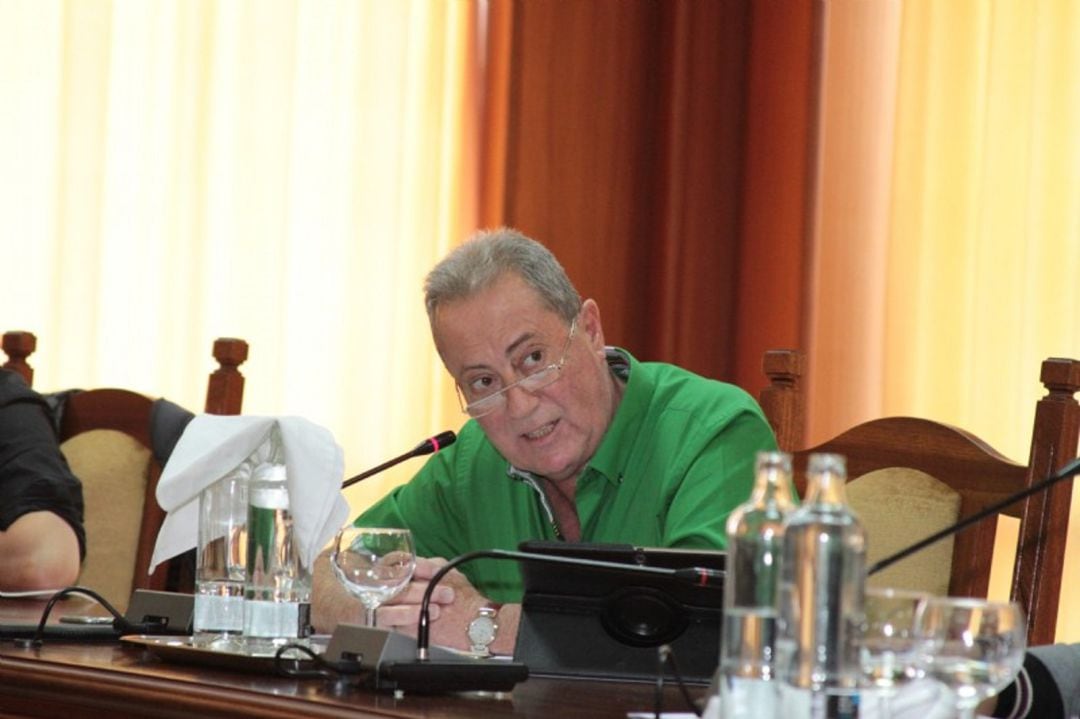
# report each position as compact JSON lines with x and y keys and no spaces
{"x":219,"y":607}
{"x":284,"y":620}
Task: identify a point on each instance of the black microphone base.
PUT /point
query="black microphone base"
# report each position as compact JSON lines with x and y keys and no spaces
{"x":441,"y":677}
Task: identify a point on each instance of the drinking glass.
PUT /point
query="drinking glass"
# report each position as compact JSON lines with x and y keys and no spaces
{"x":373,"y":564}
{"x":974,"y":646}
{"x":888,"y":649}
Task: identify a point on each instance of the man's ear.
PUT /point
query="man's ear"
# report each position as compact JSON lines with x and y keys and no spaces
{"x":590,"y":326}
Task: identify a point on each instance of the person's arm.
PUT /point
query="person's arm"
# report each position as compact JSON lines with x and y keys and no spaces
{"x":1047,"y":686}
{"x":38,"y":551}
{"x":332,"y":604}
{"x":454,"y":604}
{"x":41,"y":534}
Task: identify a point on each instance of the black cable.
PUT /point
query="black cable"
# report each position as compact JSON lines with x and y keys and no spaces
{"x":683,"y":689}
{"x":658,"y":696}
{"x":666,"y":656}
{"x":120,"y":624}
{"x":324,"y":669}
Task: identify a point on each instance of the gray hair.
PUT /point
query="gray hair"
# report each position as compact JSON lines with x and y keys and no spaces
{"x":490,"y":254}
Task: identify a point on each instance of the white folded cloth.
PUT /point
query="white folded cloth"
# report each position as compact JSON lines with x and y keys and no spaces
{"x":918,"y":699}
{"x":213,"y":445}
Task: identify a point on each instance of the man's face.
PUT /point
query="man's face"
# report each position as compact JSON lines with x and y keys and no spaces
{"x":496,"y":335}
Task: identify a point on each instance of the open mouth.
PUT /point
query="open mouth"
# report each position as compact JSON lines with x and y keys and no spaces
{"x":541,"y":432}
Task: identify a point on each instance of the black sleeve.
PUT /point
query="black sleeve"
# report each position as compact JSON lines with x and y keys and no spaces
{"x":34,"y":476}
{"x":1046,"y":699}
{"x":1035,"y":692}
{"x":167,"y":422}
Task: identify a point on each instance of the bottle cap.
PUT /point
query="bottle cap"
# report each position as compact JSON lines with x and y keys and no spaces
{"x":820,"y":463}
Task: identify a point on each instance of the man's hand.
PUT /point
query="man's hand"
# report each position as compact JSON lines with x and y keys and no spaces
{"x":449,"y":619}
{"x":331,"y":603}
{"x":454,"y":603}
{"x":402,"y":613}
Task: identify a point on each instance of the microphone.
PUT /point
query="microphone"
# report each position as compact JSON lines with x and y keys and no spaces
{"x":423,"y":675}
{"x":149,"y":612}
{"x":1065,"y":472}
{"x":430,"y":445}
{"x":698,"y":576}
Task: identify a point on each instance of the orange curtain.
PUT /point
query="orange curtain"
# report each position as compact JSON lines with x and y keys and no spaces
{"x":948,"y":226}
{"x":614,"y":135}
{"x":850,"y":211}
{"x":984,"y":236}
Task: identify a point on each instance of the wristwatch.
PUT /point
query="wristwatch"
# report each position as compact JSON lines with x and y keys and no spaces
{"x":482,"y":631}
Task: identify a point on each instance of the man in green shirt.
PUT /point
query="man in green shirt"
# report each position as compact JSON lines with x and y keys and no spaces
{"x":569,"y":439}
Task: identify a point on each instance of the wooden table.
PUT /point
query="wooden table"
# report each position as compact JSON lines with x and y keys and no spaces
{"x":73,"y":681}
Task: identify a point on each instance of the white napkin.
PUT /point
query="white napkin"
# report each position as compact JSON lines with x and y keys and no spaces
{"x":212,"y":446}
{"x":918,"y":699}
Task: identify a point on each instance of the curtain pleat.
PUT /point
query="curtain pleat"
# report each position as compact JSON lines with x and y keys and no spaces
{"x":285,"y":172}
{"x":984,"y":238}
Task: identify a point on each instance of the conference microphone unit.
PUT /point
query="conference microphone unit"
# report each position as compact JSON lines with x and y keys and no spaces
{"x":431,"y":445}
{"x":149,"y":612}
{"x":434,"y":670}
{"x":1065,"y":472}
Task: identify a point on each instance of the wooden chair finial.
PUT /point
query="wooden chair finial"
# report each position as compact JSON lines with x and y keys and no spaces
{"x":19,"y":345}
{"x":225,"y":392}
{"x":1040,"y":553}
{"x":783,"y":401}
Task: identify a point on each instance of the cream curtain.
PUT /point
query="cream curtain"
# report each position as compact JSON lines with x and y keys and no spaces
{"x":950,"y":262}
{"x":284,"y":172}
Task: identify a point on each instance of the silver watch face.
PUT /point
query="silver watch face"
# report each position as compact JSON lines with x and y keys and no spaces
{"x":482,"y":630}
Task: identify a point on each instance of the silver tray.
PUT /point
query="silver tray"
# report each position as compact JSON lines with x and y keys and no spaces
{"x":181,"y":649}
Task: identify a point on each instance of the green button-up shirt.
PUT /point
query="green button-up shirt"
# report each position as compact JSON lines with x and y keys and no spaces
{"x":678,"y":457}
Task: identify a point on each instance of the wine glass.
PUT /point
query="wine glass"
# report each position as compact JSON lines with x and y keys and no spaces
{"x":888,"y":649}
{"x":373,"y":564}
{"x":974,"y":646}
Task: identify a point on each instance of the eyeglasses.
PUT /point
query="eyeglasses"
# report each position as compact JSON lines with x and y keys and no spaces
{"x":488,"y":399}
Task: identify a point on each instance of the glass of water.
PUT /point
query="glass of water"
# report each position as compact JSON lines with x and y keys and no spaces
{"x":373,"y":564}
{"x":888,"y":648}
{"x":974,"y":646}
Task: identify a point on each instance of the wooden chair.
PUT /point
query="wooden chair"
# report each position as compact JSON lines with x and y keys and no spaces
{"x":106,"y":436}
{"x":941,"y":474}
{"x":784,"y":398}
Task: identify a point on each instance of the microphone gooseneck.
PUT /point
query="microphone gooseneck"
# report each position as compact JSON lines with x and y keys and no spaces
{"x":693,"y":575}
{"x":430,"y":445}
{"x":429,"y":670}
{"x":1064,"y":473}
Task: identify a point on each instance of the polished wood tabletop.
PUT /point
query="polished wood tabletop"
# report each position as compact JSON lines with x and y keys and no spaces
{"x":110,"y":679}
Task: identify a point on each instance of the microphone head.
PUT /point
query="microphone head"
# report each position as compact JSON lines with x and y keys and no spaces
{"x":443,"y":439}
{"x":434,"y":444}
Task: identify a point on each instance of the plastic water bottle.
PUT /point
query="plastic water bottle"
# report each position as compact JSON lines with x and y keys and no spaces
{"x":755,"y":534}
{"x":823,"y":577}
{"x":277,"y":588}
{"x":220,"y":564}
